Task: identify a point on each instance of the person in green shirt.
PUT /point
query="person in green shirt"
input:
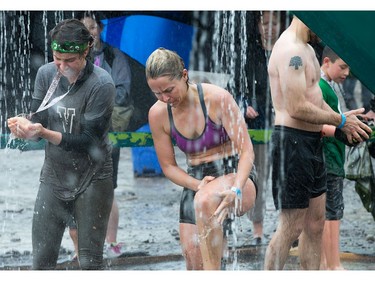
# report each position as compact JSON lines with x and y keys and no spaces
{"x":333,"y":70}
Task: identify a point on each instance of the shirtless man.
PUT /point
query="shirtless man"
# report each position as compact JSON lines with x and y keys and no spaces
{"x":299,"y":177}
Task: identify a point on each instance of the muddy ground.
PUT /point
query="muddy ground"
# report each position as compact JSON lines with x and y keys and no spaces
{"x":149,"y":210}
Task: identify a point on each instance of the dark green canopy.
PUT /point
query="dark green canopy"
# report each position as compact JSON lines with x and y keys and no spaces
{"x":351,"y":34}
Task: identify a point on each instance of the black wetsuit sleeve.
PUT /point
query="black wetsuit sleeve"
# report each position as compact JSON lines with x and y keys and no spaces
{"x":40,"y":117}
{"x":95,"y":122}
{"x":91,"y":135}
{"x":70,"y":142}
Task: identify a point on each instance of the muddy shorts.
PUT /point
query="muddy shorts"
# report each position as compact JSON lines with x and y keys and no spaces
{"x":334,"y":198}
{"x":298,"y":172}
{"x":216,"y":169}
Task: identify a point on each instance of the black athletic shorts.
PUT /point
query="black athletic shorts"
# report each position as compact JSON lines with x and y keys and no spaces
{"x":334,"y":198}
{"x":216,"y":168}
{"x":298,"y":171}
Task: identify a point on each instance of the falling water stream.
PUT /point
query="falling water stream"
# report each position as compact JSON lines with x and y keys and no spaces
{"x":224,"y":45}
{"x":229,"y":54}
{"x":232,"y":54}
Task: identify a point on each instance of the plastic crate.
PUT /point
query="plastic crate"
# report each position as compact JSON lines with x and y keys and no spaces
{"x":145,"y":160}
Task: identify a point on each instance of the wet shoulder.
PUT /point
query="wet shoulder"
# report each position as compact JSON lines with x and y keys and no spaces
{"x":216,"y":100}
{"x":157,"y":110}
{"x":285,"y":54}
{"x":213,"y":92}
{"x":158,"y":117}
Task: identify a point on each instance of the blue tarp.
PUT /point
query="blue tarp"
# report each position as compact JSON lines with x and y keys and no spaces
{"x":140,"y":35}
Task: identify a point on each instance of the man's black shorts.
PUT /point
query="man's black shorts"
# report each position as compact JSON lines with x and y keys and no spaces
{"x":298,"y":172}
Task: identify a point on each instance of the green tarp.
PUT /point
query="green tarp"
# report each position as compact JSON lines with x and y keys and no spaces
{"x":351,"y":34}
{"x":130,"y":139}
{"x":121,"y":139}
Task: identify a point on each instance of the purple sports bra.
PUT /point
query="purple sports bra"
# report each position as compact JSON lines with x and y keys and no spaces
{"x":212,"y":135}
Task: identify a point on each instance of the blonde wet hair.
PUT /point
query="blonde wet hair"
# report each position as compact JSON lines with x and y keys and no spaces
{"x":163,"y":62}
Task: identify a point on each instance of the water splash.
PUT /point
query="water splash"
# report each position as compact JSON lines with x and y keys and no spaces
{"x":18,"y":66}
{"x":23,"y":49}
{"x":15,"y":64}
{"x":235,"y":40}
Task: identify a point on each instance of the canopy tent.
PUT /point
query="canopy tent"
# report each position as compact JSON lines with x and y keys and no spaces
{"x":351,"y":34}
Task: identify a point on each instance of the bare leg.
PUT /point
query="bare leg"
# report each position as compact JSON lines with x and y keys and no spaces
{"x":331,"y":245}
{"x":112,"y":228}
{"x":190,"y":246}
{"x":256,"y":214}
{"x":289,"y":228}
{"x":210,"y":231}
{"x":74,"y":235}
{"x":325,"y":247}
{"x":258,"y":229}
{"x":211,"y":242}
{"x":311,"y":238}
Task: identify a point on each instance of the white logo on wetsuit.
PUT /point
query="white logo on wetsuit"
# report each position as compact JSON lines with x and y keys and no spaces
{"x":66,"y":115}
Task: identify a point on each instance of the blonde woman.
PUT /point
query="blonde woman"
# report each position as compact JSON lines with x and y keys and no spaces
{"x":206,"y":124}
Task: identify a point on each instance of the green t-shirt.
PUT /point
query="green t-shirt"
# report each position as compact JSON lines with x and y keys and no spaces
{"x":334,"y":150}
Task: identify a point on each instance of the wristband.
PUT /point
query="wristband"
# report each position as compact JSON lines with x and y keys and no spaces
{"x":343,"y":120}
{"x":236,"y":190}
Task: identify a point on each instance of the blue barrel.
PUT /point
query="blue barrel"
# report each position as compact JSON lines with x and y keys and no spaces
{"x":145,"y":160}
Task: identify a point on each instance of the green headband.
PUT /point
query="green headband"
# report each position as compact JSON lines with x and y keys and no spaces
{"x":68,"y":47}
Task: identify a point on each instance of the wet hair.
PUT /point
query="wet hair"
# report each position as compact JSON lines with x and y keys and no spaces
{"x":71,"y":32}
{"x":163,"y":62}
{"x":329,"y":53}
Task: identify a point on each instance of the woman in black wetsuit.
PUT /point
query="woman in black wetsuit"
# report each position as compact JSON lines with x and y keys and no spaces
{"x":71,"y":109}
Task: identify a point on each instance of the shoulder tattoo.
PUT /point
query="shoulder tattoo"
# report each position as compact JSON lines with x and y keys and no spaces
{"x":295,"y":62}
